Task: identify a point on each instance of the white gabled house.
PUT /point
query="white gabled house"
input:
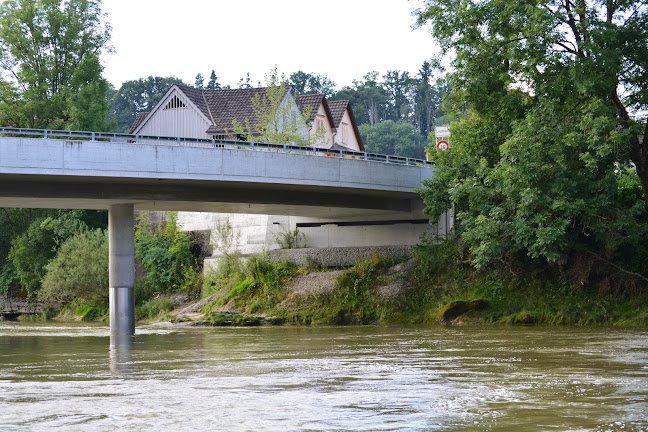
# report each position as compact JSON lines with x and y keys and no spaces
{"x":186,"y":111}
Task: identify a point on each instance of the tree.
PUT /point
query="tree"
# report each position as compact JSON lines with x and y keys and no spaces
{"x":537,"y":164}
{"x":79,"y":269}
{"x":368,"y":99}
{"x":568,"y":51}
{"x":393,"y":138}
{"x":164,"y":252}
{"x":399,"y":87}
{"x":199,"y":81}
{"x":213,"y":83}
{"x":312,"y":83}
{"x":427,"y":99}
{"x":245,"y":82}
{"x":136,"y":96}
{"x":49,"y":56}
{"x":278,"y":119}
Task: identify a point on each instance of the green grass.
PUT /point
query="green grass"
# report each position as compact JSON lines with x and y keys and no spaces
{"x":155,"y":310}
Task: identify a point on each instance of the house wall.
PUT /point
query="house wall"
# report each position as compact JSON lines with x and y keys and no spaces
{"x":182,"y":122}
{"x":327,"y":139}
{"x":352,"y":142}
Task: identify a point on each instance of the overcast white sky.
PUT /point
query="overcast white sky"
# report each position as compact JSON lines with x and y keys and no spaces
{"x":343,"y":39}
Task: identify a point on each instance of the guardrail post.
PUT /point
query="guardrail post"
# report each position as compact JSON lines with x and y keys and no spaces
{"x":387,"y":158}
{"x":45,"y":134}
{"x":93,"y":136}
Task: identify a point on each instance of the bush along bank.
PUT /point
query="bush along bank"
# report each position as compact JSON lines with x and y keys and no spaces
{"x":169,"y":274}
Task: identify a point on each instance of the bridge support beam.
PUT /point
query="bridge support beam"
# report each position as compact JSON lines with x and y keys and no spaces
{"x":121,"y":259}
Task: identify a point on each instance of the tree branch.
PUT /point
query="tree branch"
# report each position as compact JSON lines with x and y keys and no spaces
{"x":621,"y":269}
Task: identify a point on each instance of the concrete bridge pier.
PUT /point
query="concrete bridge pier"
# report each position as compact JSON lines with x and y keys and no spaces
{"x":121,"y":262}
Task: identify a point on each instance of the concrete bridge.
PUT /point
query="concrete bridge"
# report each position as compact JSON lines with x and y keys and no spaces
{"x":123,"y":173}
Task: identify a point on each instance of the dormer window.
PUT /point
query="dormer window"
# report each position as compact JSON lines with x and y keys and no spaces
{"x":319,"y":124}
{"x":345,"y":133}
{"x":175,"y":103}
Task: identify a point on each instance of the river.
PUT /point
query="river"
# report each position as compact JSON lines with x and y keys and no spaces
{"x":68,"y":377}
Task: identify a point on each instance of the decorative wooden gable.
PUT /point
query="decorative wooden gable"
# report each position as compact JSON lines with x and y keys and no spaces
{"x":175,"y":103}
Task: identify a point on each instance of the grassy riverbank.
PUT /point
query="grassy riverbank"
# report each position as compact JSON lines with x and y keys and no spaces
{"x":433,"y":287}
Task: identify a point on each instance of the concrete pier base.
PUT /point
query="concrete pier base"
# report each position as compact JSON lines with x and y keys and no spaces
{"x":121,"y":252}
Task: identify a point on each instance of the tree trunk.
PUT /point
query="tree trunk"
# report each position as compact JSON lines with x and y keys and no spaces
{"x":639,"y":155}
{"x":639,"y":150}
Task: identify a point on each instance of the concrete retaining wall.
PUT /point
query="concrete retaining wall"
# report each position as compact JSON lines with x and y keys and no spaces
{"x":338,"y":256}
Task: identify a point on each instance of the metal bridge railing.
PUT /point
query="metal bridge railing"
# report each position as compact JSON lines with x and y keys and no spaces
{"x":210,"y":143}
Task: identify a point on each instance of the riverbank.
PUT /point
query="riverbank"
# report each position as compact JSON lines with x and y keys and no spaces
{"x":424,"y":289}
{"x":413,"y":291}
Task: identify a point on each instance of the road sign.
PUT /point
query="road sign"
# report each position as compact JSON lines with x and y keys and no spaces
{"x":443,"y":145}
{"x":442,"y":131}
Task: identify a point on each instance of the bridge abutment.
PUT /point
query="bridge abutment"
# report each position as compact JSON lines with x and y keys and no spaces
{"x":121,"y":251}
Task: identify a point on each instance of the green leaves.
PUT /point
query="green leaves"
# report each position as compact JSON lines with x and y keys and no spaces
{"x":50,"y":49}
{"x":535,"y":168}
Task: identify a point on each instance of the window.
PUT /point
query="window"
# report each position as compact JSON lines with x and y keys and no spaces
{"x":319,"y":123}
{"x":175,"y":103}
{"x":345,"y":133}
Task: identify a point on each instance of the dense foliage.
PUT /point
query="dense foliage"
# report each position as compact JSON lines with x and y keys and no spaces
{"x":548,"y":164}
{"x":165,"y":254}
{"x":79,"y":270}
{"x":30,"y":238}
{"x":49,"y":56}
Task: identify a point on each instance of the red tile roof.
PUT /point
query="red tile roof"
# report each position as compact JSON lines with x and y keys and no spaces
{"x":338,"y":108}
{"x":138,"y":121}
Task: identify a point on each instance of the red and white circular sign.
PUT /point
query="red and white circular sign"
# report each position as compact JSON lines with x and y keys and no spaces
{"x":443,"y":145}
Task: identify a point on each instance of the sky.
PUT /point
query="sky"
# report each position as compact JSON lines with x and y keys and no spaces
{"x":342,"y":39}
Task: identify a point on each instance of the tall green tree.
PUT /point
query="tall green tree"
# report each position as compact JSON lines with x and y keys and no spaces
{"x":427,"y":99}
{"x":539,"y":166}
{"x":49,"y":57}
{"x":571,"y":51}
{"x":399,"y":85}
{"x":199,"y":81}
{"x":213,"y":83}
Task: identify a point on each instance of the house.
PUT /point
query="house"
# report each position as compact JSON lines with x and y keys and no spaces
{"x":186,"y":111}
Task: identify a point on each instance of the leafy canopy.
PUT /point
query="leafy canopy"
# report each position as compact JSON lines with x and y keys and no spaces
{"x":546,"y":159}
{"x":50,"y":75}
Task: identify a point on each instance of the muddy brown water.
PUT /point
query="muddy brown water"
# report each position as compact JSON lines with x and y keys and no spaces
{"x":65,"y":377}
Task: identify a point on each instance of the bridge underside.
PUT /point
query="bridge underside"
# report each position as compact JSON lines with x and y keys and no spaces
{"x":202,"y":196}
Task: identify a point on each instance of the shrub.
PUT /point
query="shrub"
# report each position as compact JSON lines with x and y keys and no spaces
{"x":80,"y":269}
{"x":165,"y":254}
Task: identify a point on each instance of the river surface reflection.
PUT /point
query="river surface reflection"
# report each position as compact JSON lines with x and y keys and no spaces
{"x":72,"y":378}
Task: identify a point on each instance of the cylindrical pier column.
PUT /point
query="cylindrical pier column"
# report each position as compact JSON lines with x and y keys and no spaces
{"x":121,"y":263}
